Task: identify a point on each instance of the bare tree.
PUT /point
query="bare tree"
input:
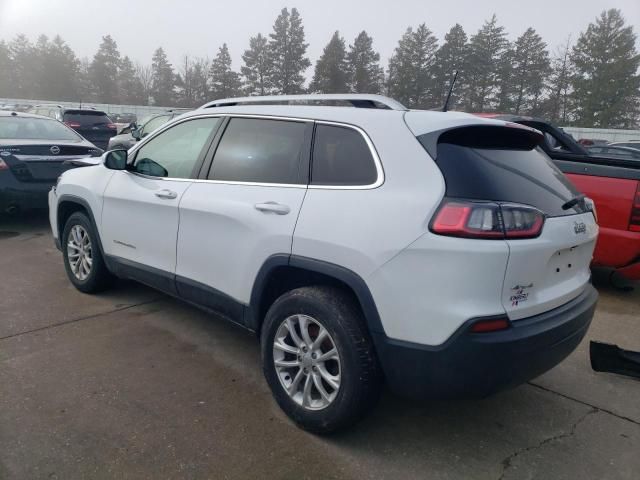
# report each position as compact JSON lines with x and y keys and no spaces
{"x":145,"y":75}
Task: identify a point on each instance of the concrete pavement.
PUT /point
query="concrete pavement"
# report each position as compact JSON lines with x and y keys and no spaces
{"x":134,"y":384}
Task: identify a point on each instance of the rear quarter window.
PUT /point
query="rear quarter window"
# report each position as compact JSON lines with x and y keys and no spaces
{"x":341,"y":157}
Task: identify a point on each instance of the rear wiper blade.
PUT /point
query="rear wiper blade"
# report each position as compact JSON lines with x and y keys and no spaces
{"x":573,"y":202}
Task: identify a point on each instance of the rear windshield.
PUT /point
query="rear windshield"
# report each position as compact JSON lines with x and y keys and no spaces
{"x":27,"y":128}
{"x":505,"y":173}
{"x":86,"y":117}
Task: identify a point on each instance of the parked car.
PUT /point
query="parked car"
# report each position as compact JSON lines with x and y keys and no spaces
{"x":587,"y":142}
{"x":440,"y":251}
{"x":615,"y":151}
{"x":33,"y":150}
{"x":129,"y":136}
{"x":123,"y":120}
{"x":630,"y":144}
{"x":614,"y":185}
{"x":92,"y":124}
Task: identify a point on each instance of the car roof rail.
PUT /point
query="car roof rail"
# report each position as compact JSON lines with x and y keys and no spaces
{"x":339,"y":99}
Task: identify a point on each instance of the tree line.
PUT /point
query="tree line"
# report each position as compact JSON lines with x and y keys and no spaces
{"x":592,"y":82}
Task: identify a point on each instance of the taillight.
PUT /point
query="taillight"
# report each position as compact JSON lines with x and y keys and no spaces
{"x":634,"y":222}
{"x":490,"y":325}
{"x":112,"y":126}
{"x":487,"y":220}
{"x":72,"y":124}
{"x":3,"y":165}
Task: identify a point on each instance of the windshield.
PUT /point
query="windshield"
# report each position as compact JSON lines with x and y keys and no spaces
{"x":28,"y":128}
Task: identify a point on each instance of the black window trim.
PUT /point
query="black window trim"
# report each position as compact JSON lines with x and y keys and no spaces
{"x":202,"y":168}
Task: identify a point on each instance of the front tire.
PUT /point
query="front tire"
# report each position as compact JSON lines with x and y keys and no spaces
{"x":83,"y":259}
{"x":319,"y":360}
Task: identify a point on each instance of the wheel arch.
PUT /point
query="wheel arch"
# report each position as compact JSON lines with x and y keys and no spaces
{"x":282,"y":272}
{"x":67,"y":206}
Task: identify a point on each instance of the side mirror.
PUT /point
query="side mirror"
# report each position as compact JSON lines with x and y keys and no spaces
{"x":116,"y":160}
{"x":135,"y":133}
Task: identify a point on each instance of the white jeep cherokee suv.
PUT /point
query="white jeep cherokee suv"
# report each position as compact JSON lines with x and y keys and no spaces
{"x":440,"y":252}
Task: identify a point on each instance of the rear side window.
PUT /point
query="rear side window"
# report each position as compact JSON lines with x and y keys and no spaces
{"x":503,"y":169}
{"x":86,"y":118}
{"x":341,"y":157}
{"x":261,"y":151}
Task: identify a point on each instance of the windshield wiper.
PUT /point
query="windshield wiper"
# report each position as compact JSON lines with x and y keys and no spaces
{"x":573,"y":202}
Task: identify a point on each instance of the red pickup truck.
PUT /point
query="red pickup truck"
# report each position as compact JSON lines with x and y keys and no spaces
{"x":614,"y":186}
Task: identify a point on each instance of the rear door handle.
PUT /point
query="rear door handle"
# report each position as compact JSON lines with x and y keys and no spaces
{"x":272,"y":207}
{"x":166,"y":194}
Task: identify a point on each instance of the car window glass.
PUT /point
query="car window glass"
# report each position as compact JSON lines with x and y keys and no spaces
{"x":263,"y":151}
{"x":175,"y":152}
{"x":86,"y":118}
{"x":35,"y":129}
{"x":154,"y":123}
{"x":341,"y":156}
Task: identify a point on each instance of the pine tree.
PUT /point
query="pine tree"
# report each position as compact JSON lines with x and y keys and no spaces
{"x":225,"y":82}
{"x":486,"y":50}
{"x":331,"y":72}
{"x":131,"y":91}
{"x":606,"y":82}
{"x":506,"y":93}
{"x":411,"y":68}
{"x":25,"y":63}
{"x":363,"y":63}
{"x":104,"y":71}
{"x":59,"y":70}
{"x":451,"y":57}
{"x":257,"y":66}
{"x":287,"y":50}
{"x":163,"y":79}
{"x":531,"y":67}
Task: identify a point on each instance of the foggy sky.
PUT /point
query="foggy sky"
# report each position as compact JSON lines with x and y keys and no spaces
{"x":199,"y":27}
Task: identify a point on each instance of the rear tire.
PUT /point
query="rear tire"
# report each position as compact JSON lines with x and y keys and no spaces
{"x":83,"y":259}
{"x":342,"y":389}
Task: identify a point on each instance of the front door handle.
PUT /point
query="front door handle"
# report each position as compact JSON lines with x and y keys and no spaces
{"x":272,"y":207}
{"x":166,"y":194}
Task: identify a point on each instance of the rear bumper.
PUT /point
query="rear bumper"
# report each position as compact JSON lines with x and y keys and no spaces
{"x":23,"y":195}
{"x":477,"y":365}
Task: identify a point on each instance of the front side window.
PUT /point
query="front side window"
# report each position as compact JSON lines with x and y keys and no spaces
{"x":175,"y":152}
{"x":259,"y":151}
{"x":154,"y":123}
{"x":341,"y":156}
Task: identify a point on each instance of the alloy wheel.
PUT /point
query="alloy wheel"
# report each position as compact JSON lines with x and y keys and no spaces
{"x":307,"y":362}
{"x":79,"y":252}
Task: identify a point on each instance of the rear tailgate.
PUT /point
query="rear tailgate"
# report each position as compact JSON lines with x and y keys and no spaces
{"x":93,"y":125}
{"x":546,"y":272}
{"x":502,"y":166}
